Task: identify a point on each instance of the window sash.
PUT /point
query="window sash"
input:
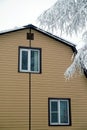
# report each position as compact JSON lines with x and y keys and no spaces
{"x":53,"y":111}
{"x":21,"y":69}
{"x":33,"y":61}
{"x":24,"y":59}
{"x":64,"y":112}
{"x":59,"y":116}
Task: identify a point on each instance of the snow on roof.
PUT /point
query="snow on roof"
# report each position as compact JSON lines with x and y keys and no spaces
{"x":10,"y":30}
{"x":41,"y":31}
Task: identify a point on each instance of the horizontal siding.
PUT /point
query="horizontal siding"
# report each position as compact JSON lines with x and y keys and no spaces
{"x":14,"y":86}
{"x":56,"y":57}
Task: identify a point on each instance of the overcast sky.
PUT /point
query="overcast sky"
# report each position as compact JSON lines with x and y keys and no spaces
{"x":17,"y":13}
{"x":21,"y":12}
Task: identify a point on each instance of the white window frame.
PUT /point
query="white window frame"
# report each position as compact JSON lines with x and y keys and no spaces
{"x":29,"y":59}
{"x":58,"y":102}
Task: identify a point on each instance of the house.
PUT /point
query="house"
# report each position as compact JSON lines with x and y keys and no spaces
{"x":34,"y":94}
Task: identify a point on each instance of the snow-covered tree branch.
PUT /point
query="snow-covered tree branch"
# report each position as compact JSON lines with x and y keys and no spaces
{"x":79,"y":64}
{"x":69,"y":16}
{"x":66,"y":15}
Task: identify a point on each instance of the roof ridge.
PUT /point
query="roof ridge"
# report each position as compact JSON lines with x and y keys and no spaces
{"x":42,"y":31}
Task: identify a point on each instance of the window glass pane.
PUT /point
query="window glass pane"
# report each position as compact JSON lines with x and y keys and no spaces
{"x":63,"y":112}
{"x":34,"y":60}
{"x":54,"y":117}
{"x":54,"y":106}
{"x":24,"y":60}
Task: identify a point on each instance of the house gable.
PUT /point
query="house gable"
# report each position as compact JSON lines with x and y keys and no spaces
{"x":30,"y":26}
{"x":24,"y":96}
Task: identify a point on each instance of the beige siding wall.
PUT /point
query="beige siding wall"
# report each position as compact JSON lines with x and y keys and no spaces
{"x":14,"y":86}
{"x":56,"y":57}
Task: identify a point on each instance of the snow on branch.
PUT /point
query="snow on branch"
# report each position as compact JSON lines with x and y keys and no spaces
{"x":79,"y":63}
{"x":67,"y":15}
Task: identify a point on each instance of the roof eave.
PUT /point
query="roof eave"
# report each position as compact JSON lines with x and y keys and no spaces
{"x":52,"y":36}
{"x":30,"y":26}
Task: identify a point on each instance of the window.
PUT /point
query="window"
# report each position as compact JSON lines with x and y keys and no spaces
{"x":59,"y":112}
{"x":29,"y":60}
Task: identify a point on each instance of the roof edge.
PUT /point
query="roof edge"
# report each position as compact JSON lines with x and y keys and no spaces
{"x":73,"y":46}
{"x":31,"y":26}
